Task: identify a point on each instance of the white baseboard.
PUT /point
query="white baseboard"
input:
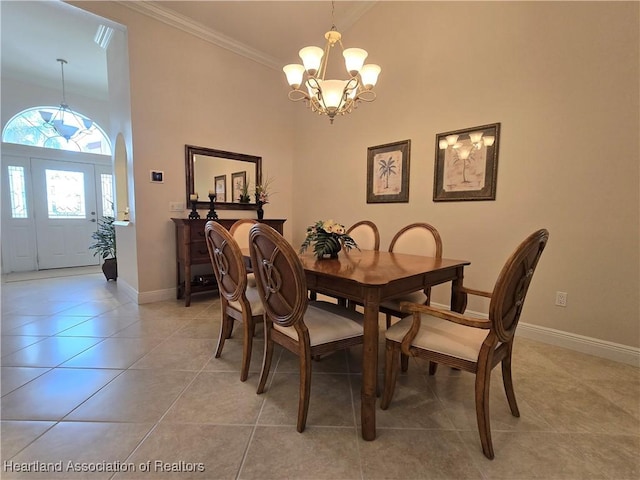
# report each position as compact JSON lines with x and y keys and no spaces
{"x":572,"y":341}
{"x":156,"y":296}
{"x":579,"y":343}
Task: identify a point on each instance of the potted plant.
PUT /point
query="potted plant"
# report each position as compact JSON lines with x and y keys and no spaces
{"x":105,"y":246}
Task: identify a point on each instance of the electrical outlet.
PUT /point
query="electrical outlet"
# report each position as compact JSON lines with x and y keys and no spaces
{"x":561,"y":299}
{"x":176,"y":206}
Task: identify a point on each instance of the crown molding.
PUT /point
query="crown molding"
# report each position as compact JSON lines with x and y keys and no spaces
{"x":154,"y":10}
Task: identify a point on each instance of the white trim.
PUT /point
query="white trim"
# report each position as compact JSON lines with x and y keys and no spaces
{"x":572,"y":341}
{"x":589,"y":345}
{"x":154,"y":10}
{"x":157,"y":12}
{"x":156,"y":296}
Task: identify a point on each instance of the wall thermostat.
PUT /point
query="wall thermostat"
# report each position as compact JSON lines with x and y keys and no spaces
{"x":157,"y":176}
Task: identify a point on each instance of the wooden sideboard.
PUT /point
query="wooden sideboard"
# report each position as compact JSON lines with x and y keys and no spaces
{"x":191,"y":249}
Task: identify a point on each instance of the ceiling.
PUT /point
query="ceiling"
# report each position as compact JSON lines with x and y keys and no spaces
{"x":35,"y":34}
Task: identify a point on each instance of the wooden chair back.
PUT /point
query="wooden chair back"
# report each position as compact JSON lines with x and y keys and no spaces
{"x":240,"y":231}
{"x":366,"y":235}
{"x":227,"y":261}
{"x":417,"y":239}
{"x":513,"y":283}
{"x":279,"y":276}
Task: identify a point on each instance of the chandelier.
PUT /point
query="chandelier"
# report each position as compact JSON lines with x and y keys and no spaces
{"x":64,"y":122}
{"x":464,"y":149}
{"x":331,"y":97}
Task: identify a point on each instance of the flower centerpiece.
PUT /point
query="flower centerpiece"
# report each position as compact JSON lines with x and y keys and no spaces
{"x":329,"y":238}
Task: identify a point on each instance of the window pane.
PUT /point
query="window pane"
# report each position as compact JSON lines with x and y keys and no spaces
{"x":106,"y":180}
{"x":28,"y":128}
{"x":65,"y":194}
{"x":17,"y":192}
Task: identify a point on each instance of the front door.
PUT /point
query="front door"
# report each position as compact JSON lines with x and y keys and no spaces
{"x":65,"y":212}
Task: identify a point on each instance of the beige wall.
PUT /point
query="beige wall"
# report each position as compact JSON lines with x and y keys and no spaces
{"x":561,"y":78}
{"x":187,"y":91}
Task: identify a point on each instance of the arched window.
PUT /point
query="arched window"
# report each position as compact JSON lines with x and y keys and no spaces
{"x":49,"y":127}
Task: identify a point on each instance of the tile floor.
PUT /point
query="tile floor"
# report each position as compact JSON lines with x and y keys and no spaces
{"x":93,"y":383}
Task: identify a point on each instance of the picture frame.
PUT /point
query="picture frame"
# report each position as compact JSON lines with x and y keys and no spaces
{"x":466,"y":164}
{"x":220,"y":187}
{"x":388,"y":172}
{"x":238,"y":186}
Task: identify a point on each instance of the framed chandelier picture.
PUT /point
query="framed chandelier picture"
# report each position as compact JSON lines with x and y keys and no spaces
{"x":466,"y":164}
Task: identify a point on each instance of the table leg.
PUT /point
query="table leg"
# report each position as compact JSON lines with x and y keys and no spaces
{"x":370,"y":365}
{"x":458,"y":297}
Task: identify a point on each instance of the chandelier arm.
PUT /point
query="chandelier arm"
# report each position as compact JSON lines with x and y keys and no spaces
{"x":297,"y":95}
{"x":365,"y":96}
{"x":325,"y":61}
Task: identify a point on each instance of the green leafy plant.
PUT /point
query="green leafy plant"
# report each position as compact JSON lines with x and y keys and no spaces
{"x":105,"y":238}
{"x":329,"y":238}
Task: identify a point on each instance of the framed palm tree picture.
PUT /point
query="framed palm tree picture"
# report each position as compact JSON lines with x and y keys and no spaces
{"x":388,"y":172}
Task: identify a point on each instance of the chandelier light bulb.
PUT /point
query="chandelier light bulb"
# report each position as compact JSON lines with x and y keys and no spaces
{"x":354,"y":60}
{"x":369,"y":74}
{"x":311,"y":58}
{"x":475,"y":137}
{"x":488,"y":141}
{"x":332,"y":91}
{"x":464,"y":152}
{"x":451,"y":140}
{"x":294,"y":73}
{"x":443,"y":144}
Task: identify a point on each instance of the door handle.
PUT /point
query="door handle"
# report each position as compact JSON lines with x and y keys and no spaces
{"x":93,"y":213}
{"x":93,"y":220}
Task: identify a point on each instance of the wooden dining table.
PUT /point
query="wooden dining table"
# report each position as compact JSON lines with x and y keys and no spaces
{"x":370,"y":278}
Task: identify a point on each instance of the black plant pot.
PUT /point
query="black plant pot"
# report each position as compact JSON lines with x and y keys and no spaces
{"x":110,"y":269}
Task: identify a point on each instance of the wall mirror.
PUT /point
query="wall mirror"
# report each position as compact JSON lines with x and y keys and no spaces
{"x":230,"y":175}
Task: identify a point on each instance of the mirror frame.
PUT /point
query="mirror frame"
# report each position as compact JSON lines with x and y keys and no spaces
{"x":192,"y":150}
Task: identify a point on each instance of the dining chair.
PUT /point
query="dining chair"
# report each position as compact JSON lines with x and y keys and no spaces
{"x":240,"y":232}
{"x":239,"y":301}
{"x":469,"y":343}
{"x":415,"y":239}
{"x":366,"y":235}
{"x":307,"y":329}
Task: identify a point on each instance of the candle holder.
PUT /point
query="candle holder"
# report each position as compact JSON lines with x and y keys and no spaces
{"x":194,"y":215}
{"x":212,"y":215}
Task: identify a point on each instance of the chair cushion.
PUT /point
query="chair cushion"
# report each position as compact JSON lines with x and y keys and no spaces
{"x":253,"y":296}
{"x":326,"y":324}
{"x":251,"y":280}
{"x":394,"y":304}
{"x":442,"y":336}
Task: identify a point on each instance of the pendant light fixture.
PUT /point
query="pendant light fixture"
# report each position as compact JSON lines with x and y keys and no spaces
{"x":64,"y":122}
{"x":331,"y":97}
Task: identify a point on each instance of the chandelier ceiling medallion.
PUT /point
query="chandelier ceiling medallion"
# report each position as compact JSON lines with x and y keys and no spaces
{"x":332,"y":97}
{"x":64,"y":122}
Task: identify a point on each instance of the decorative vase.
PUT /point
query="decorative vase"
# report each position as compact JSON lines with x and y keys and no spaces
{"x":110,"y":269}
{"x":260,"y":210}
{"x":330,"y":253}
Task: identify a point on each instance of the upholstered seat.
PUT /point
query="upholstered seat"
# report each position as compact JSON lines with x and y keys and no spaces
{"x":438,"y":335}
{"x":324,"y":325}
{"x":307,"y":329}
{"x":468,"y":343}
